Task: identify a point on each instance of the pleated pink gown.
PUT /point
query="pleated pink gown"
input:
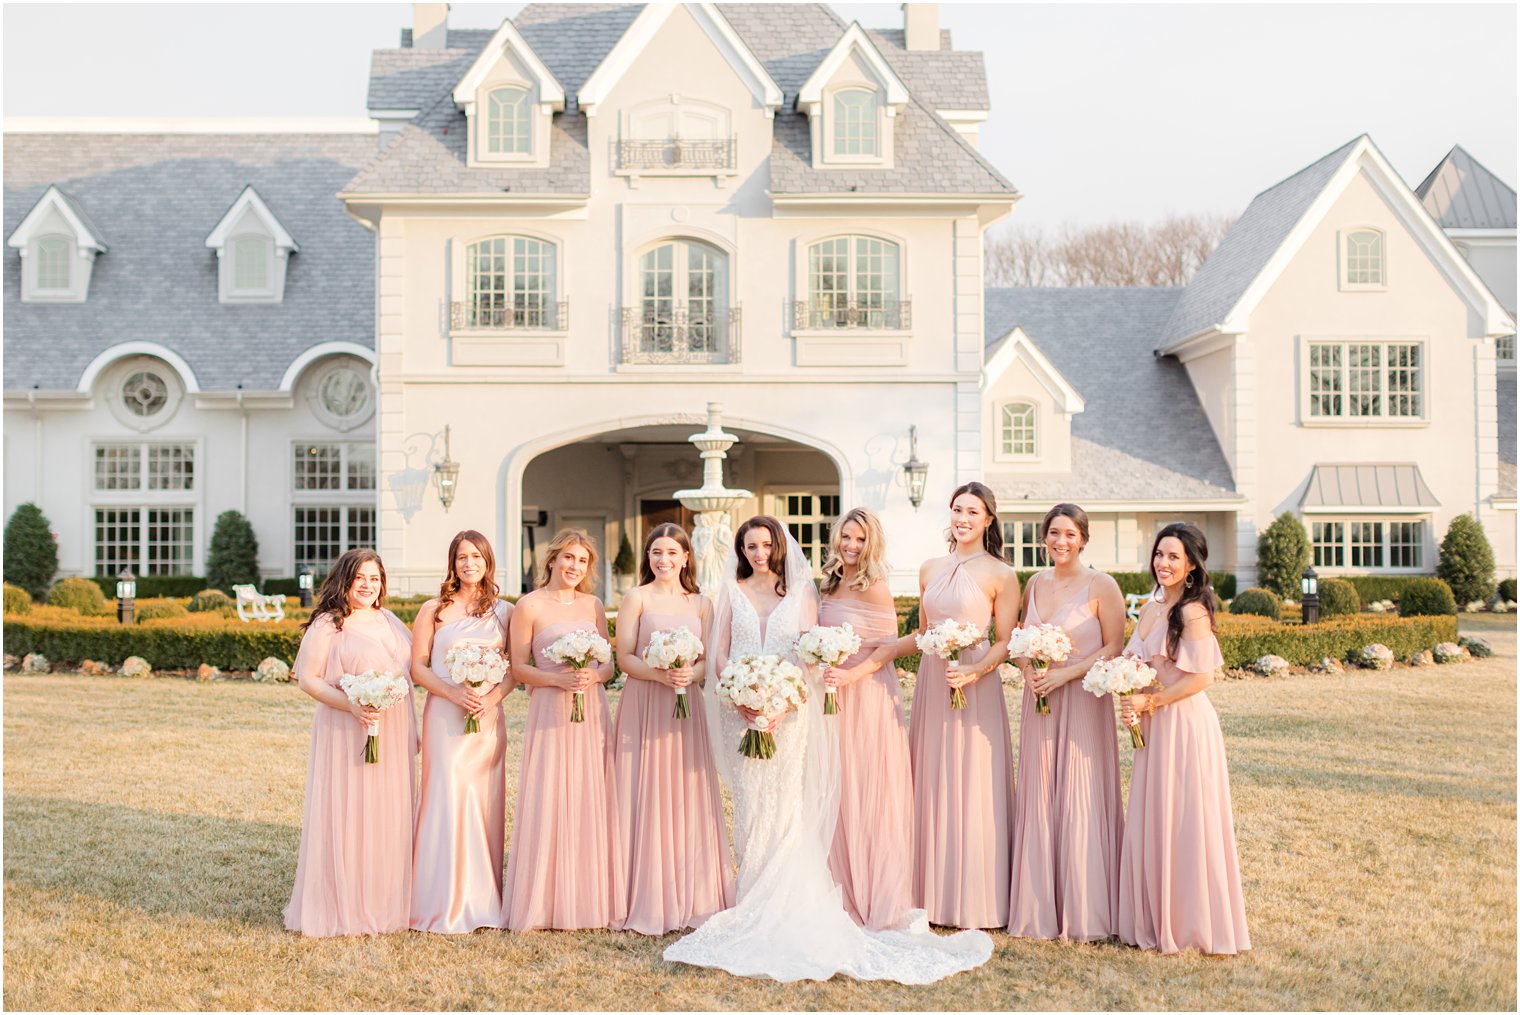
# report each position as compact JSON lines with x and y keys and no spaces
{"x":962,"y":776}
{"x":354,"y":875}
{"x":564,"y":871}
{"x":1068,"y":809}
{"x":671,"y":833}
{"x":1179,"y":873}
{"x":872,"y":855}
{"x":461,"y":817}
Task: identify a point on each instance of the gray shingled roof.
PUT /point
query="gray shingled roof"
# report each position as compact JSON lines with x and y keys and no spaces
{"x":157,"y":197}
{"x":1247,"y":247}
{"x":943,"y":79}
{"x":1144,"y":434}
{"x":1461,"y":193}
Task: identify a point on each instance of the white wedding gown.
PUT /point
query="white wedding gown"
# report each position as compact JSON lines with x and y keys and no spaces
{"x":789,"y":922}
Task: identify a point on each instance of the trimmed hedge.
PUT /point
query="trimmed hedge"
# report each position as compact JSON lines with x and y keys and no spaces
{"x":1259,"y":602}
{"x":160,"y":609}
{"x":1338,"y":598}
{"x":1244,"y":640}
{"x":170,"y":646}
{"x":80,"y":595}
{"x":1507,"y":590}
{"x":17,"y":599}
{"x":1375,"y":588}
{"x":1428,"y":597}
{"x":213,"y":601}
{"x":156,"y":586}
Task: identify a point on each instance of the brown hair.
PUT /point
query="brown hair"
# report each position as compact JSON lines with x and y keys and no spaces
{"x":778,"y":549}
{"x":670,"y":530}
{"x":562,"y":541}
{"x":485,"y":592}
{"x":1077,"y":515}
{"x":873,"y":566}
{"x":333,"y":597}
{"x":992,"y":537}
{"x":1197,"y":587}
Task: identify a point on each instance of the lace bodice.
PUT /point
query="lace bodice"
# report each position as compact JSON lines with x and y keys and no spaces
{"x":775,"y":635}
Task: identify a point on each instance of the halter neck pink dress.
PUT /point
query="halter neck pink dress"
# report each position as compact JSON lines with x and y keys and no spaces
{"x":354,"y":875}
{"x":1179,"y":873}
{"x":962,"y":775}
{"x":872,"y":855}
{"x":1068,"y":809}
{"x":670,"y":834}
{"x":461,"y":818}
{"x":564,"y":871}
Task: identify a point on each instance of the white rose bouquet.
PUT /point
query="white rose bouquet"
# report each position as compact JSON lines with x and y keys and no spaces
{"x":1042,"y":645}
{"x":828,"y":646}
{"x":765,"y":684}
{"x":579,"y":649}
{"x":1120,"y":677}
{"x":669,"y":649}
{"x":378,"y":689}
{"x":476,"y":664}
{"x":947,"y":639}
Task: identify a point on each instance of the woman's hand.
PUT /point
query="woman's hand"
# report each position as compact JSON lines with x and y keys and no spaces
{"x":1133,"y":706}
{"x":678,"y":676}
{"x":768,"y":723}
{"x":364,"y":714}
{"x":1044,"y":681}
{"x":579,"y":680}
{"x":957,"y":677}
{"x":467,"y":698}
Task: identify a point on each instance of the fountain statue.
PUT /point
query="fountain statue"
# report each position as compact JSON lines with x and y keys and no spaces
{"x":712,"y":533}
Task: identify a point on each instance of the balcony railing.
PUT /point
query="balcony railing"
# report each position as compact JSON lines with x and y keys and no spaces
{"x":865,"y":315}
{"x":677,"y":154}
{"x":490,"y":316}
{"x":680,"y":337}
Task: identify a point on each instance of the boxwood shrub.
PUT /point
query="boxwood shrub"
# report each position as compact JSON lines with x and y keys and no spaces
{"x":80,"y":595}
{"x":1338,"y":598}
{"x":1375,"y":588}
{"x":1259,"y":602}
{"x":1428,"y":597}
{"x":1245,"y":639}
{"x":1507,"y":590}
{"x":17,"y":599}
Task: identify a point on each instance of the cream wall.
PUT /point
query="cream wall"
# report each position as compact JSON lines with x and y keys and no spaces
{"x":1494,"y":261}
{"x":1213,"y":378}
{"x":1052,"y":427}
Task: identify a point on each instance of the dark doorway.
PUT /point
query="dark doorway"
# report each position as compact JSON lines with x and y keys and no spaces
{"x":658,"y":512}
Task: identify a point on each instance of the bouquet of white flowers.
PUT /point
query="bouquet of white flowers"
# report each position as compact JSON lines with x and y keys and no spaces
{"x":946,"y":640}
{"x":768,"y":685}
{"x":1120,"y":677}
{"x":473,"y":663}
{"x":1042,"y":645}
{"x":579,"y":649}
{"x":828,"y":646}
{"x":670,"y":648}
{"x":378,"y":689}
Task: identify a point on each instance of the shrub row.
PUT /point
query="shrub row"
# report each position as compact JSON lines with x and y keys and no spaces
{"x":1245,"y":639}
{"x":1375,"y":588}
{"x":167,"y":645}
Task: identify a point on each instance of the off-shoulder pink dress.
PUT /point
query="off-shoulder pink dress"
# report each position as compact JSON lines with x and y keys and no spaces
{"x":461,"y":817}
{"x":872,"y":854}
{"x":354,"y":875}
{"x":1179,"y":873}
{"x":962,"y":775}
{"x":1068,"y":808}
{"x":671,"y":833}
{"x":564,"y":871}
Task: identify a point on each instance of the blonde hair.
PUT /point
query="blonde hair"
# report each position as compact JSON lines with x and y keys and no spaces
{"x":562,"y":541}
{"x":873,"y":564}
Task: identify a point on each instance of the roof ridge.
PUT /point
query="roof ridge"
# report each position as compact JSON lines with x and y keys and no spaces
{"x":1323,"y":158}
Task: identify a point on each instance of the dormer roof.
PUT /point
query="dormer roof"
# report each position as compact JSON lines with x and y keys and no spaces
{"x":250,"y":201}
{"x":86,"y":233}
{"x":854,"y":40}
{"x":1461,"y":193}
{"x":508,"y":40}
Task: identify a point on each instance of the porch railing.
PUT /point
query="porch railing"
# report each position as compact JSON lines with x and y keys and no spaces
{"x":677,"y":336}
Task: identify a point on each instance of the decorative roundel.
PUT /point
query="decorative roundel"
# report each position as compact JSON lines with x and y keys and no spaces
{"x":341,"y":395}
{"x":144,"y":393}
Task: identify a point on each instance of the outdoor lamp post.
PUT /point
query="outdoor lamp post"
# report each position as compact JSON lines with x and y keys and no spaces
{"x":916,"y":471}
{"x":305,"y":581}
{"x":126,"y":596}
{"x":1310,"y":588}
{"x":446,"y":474}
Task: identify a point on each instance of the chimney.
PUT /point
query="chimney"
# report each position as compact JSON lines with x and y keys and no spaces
{"x":921,"y":27}
{"x":430,"y":26}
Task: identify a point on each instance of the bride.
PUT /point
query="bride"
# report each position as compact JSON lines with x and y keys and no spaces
{"x":790,"y":923}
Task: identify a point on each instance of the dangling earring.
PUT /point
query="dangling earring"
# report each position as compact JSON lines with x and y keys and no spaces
{"x":1157,"y":596}
{"x":1188,"y":582}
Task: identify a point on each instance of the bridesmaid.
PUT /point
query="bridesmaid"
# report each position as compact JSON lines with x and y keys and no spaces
{"x":1068,"y":811}
{"x":1179,"y":875}
{"x":461,"y":820}
{"x":872,"y":854}
{"x":354,"y":875}
{"x":671,"y":834}
{"x":963,"y":758}
{"x":564,"y":872}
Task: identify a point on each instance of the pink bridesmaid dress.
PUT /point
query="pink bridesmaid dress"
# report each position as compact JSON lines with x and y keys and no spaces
{"x":670,"y":833}
{"x":354,"y":875}
{"x":962,"y":775}
{"x":1068,"y":809}
{"x":461,"y":819}
{"x":564,"y":871}
{"x":1179,"y":874}
{"x":872,"y":854}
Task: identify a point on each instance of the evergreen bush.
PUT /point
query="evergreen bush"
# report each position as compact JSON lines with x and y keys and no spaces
{"x":31,"y":555}
{"x":1282,"y":554}
{"x":80,"y":595}
{"x":213,"y":601}
{"x":17,"y":599}
{"x":233,"y":556}
{"x":1507,"y":590}
{"x":1375,"y":588}
{"x":1259,"y":602}
{"x":160,"y":609}
{"x":1427,"y":597}
{"x":624,"y":563}
{"x":1338,"y":598}
{"x":1467,"y":561}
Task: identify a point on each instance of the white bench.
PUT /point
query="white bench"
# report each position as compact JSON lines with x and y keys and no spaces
{"x":252,"y":605}
{"x":1132,"y":604}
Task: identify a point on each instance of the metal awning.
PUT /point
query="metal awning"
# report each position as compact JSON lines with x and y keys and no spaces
{"x":1389,"y":488}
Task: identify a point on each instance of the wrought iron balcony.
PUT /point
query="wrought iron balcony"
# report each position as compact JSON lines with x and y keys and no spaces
{"x":865,"y":315}
{"x":677,"y":336}
{"x":669,"y":154}
{"x":487,"y":315}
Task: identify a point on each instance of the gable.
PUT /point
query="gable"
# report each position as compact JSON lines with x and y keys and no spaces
{"x":508,"y":57}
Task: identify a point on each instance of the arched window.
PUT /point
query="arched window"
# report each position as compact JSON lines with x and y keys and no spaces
{"x":853,"y":282}
{"x":511,"y":283}
{"x":683,"y":296}
{"x":507,"y":126}
{"x":1364,"y":258}
{"x":53,"y":262}
{"x":855,"y":122}
{"x":1016,"y":430}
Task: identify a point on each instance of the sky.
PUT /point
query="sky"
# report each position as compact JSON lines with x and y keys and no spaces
{"x":1099,"y":111}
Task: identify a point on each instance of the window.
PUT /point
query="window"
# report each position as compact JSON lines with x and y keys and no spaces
{"x":1364,"y":259}
{"x":150,"y":540}
{"x":809,"y":517}
{"x":343,"y":474}
{"x":1016,"y":430}
{"x":53,"y":263}
{"x":341,"y":467}
{"x":323,"y":534}
{"x":1369,"y":544}
{"x":511,"y":283}
{"x":855,"y":123}
{"x":853,"y":283}
{"x":127,"y":466}
{"x":1329,"y":539}
{"x":250,"y":263}
{"x":507,"y":124}
{"x":344,"y":398}
{"x":144,"y":393}
{"x":1504,"y":350}
{"x":1366,"y":380}
{"x":683,"y":288}
{"x":1022,"y":547}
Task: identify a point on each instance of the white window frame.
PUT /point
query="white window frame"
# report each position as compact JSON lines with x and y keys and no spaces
{"x":837,"y":123}
{"x":1344,"y":254}
{"x":680,"y":270}
{"x":1023,"y":550}
{"x":1337,"y":556}
{"x":823,"y":124}
{"x":478,"y":117}
{"x":53,"y":291}
{"x":346,"y":523}
{"x":489,"y":136}
{"x":143,"y":499}
{"x":239,"y":250}
{"x":781,"y":510}
{"x":1504,"y":351}
{"x":852,"y":276}
{"x":548,"y":295}
{"x":346,"y":450}
{"x":1308,"y":343}
{"x":1001,"y":437}
{"x":143,"y":453}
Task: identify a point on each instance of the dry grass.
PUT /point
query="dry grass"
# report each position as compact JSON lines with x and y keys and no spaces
{"x":151,"y":833}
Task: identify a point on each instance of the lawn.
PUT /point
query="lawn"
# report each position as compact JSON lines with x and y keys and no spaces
{"x":151,"y":831}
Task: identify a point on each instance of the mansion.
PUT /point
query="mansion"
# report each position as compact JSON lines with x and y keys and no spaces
{"x":547,"y":248}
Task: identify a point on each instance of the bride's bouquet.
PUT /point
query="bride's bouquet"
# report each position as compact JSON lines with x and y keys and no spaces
{"x":472,"y":663}
{"x":768,"y":685}
{"x":579,"y":649}
{"x":828,"y":646}
{"x":670,"y":648}
{"x":1120,"y":677}
{"x":378,"y":689}
{"x":946,"y":640}
{"x":1042,"y":645}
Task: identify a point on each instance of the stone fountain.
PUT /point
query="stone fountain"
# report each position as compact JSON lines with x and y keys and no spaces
{"x":712,"y":533}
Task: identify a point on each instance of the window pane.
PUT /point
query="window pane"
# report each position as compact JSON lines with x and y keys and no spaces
{"x":1406,"y":544}
{"x":1329,"y":544}
{"x":361,"y":527}
{"x":703,"y":277}
{"x":1366,"y":544}
{"x":318,"y":467}
{"x":319,"y":536}
{"x":250,"y":263}
{"x":117,"y":531}
{"x":1364,"y":258}
{"x":118,"y":467}
{"x":171,"y":467}
{"x":1365,"y":379}
{"x":1325,"y":382}
{"x":855,"y":123}
{"x":657,"y":302}
{"x":53,"y":262}
{"x":170,"y":541}
{"x":1404,"y":380}
{"x":829,"y":283}
{"x":507,"y":122}
{"x":1017,"y":436}
{"x":875,"y":281}
{"x":1504,"y":349}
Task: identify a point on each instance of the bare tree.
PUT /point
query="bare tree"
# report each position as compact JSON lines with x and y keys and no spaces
{"x":1165,"y":253}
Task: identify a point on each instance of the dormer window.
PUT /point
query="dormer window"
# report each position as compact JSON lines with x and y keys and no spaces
{"x":509,"y":98}
{"x":1362,"y":265}
{"x":851,"y":100}
{"x":854,"y":126}
{"x":253,"y":249}
{"x":1016,"y":431}
{"x":53,"y":256}
{"x":250,"y":265}
{"x":58,"y":244}
{"x":508,"y":130}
